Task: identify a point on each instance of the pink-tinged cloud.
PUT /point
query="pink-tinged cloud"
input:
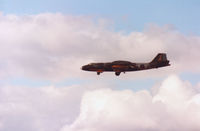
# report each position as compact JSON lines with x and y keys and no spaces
{"x":55,"y":46}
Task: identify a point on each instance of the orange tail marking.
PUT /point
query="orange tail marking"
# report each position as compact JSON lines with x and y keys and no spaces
{"x":160,"y":58}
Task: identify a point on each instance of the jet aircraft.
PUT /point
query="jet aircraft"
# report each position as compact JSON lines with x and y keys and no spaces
{"x":125,"y":66}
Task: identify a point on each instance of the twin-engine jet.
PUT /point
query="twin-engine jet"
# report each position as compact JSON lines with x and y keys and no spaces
{"x":124,"y":66}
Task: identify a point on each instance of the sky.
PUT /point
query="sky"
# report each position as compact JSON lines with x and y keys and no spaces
{"x":128,"y":15}
{"x":45,"y":43}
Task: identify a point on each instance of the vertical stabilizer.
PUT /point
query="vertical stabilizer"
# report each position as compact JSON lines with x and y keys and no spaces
{"x":161,"y":57}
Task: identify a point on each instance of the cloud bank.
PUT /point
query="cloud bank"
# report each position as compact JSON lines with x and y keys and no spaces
{"x":173,"y":105}
{"x":55,"y":46}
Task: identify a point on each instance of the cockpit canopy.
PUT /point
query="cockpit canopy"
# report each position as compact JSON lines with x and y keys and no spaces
{"x":96,"y":64}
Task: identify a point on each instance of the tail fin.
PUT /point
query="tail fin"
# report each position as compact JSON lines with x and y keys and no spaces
{"x":161,"y":57}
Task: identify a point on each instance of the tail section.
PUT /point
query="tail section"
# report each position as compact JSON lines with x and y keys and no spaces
{"x":160,"y":57}
{"x":160,"y":60}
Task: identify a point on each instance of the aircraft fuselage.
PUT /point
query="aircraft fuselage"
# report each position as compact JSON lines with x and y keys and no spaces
{"x":125,"y":66}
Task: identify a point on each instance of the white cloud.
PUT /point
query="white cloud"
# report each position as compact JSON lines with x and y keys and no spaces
{"x":38,"y":109}
{"x":175,"y":106}
{"x":55,"y":46}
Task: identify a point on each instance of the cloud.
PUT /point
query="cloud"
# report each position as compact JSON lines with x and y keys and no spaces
{"x":38,"y":109}
{"x":55,"y":46}
{"x":175,"y":106}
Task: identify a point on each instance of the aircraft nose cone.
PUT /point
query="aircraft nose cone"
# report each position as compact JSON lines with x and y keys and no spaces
{"x":84,"y":68}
